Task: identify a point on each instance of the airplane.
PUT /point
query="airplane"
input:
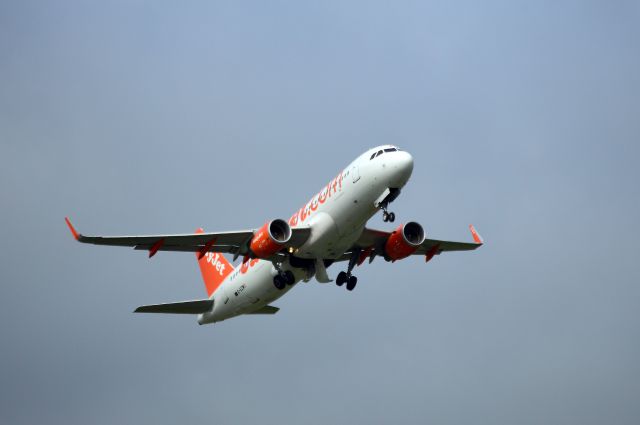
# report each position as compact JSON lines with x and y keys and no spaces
{"x":329,"y":228}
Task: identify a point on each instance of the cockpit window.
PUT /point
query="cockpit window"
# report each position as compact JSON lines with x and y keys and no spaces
{"x":380,"y":152}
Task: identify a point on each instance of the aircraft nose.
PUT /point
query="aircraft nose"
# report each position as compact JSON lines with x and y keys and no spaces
{"x":403,"y":167}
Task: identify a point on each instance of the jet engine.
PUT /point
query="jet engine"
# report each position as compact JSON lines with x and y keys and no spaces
{"x":404,"y":241}
{"x":270,"y":238}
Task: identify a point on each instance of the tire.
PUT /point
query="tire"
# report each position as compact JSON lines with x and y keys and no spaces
{"x":385,"y":216}
{"x":279,"y":282}
{"x":392,"y":217}
{"x":289,"y":277}
{"x":352,"y":283}
{"x":341,"y":279}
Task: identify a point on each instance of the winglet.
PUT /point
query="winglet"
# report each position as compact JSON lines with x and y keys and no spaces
{"x":75,"y":234}
{"x":476,"y":236}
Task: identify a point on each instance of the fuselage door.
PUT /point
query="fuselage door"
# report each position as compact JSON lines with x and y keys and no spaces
{"x":355,"y":173}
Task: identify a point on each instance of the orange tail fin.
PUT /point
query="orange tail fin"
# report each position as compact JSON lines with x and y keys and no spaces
{"x":214,"y":267}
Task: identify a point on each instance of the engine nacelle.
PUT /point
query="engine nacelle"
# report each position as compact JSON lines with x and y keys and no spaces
{"x":270,"y":238}
{"x":404,"y":241}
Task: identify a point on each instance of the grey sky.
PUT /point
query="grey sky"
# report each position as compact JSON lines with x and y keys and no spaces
{"x":147,"y":117}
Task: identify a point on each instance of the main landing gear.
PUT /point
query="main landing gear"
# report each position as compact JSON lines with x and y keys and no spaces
{"x":282,"y":279}
{"x":347,"y":277}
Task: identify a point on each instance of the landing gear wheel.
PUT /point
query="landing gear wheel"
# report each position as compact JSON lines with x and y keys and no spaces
{"x":341,"y":279}
{"x":289,"y":278}
{"x":279,"y":282}
{"x":385,"y":216}
{"x":391,"y":217}
{"x":351,"y":283}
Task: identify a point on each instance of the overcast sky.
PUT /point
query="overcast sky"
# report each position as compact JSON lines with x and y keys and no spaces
{"x":141,"y":117}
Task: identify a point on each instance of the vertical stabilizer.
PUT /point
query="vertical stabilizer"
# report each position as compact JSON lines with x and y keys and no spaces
{"x":214,"y":267}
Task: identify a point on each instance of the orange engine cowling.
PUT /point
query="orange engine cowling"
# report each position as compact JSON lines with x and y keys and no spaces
{"x":404,"y":241}
{"x":270,"y":238}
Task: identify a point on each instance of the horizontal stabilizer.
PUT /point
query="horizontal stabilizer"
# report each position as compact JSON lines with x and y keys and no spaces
{"x":184,"y":307}
{"x":267,"y":309}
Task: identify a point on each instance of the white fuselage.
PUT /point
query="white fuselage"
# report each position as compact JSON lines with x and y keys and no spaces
{"x":336,"y":216}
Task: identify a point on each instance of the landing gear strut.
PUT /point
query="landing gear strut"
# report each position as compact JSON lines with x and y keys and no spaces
{"x":384,"y":204}
{"x":347,"y":277}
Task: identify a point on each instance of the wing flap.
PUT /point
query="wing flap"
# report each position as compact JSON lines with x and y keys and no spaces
{"x":227,"y":249}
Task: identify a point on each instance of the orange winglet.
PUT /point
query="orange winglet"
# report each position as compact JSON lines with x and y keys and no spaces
{"x":476,"y":236}
{"x":155,"y":247}
{"x":75,"y":234}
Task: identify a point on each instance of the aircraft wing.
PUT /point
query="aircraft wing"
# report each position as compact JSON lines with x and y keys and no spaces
{"x":225,"y":242}
{"x":372,"y":241}
{"x":431,"y":247}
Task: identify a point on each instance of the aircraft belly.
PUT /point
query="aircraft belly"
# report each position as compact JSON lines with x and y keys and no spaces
{"x":324,"y":233}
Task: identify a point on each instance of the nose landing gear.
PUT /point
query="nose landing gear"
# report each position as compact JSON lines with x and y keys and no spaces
{"x":388,"y":216}
{"x":388,"y":197}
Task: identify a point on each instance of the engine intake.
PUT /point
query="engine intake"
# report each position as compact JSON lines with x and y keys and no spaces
{"x":404,"y":241}
{"x":270,"y":238}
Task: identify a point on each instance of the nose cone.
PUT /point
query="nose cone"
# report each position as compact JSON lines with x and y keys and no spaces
{"x":402,"y":168}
